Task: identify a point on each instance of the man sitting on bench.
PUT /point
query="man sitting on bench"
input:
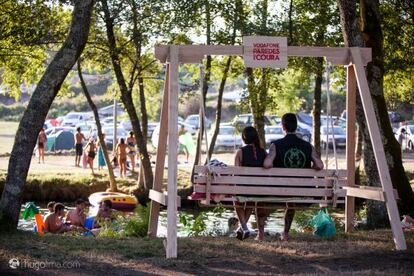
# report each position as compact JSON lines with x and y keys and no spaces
{"x":288,"y":152}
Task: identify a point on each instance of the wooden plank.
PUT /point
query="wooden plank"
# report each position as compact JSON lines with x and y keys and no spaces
{"x":249,"y":171}
{"x":162,"y":197}
{"x":160,"y":159}
{"x":195,"y":53}
{"x":269,"y":191}
{"x":266,"y":181}
{"x":273,"y":205}
{"x":350,"y":145}
{"x":378,"y":148}
{"x":365,"y":193}
{"x":172,"y":154}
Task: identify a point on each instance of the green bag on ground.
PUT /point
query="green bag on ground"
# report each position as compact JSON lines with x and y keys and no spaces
{"x":323,"y":224}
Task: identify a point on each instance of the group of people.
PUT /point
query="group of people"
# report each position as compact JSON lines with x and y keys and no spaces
{"x":288,"y":152}
{"x":125,"y":148}
{"x":57,"y":221}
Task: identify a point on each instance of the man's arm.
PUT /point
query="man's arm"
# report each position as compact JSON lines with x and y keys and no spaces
{"x":316,"y":160}
{"x":268,"y":162}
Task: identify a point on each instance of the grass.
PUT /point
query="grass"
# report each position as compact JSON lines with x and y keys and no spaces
{"x":362,"y":253}
{"x":7,"y":133}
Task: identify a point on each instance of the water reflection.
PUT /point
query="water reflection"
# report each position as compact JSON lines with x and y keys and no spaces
{"x":215,"y":224}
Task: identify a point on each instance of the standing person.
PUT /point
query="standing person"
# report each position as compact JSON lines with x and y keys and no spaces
{"x":101,"y":159}
{"x":288,"y":152}
{"x":401,"y":138}
{"x":131,"y":148}
{"x":41,"y":144}
{"x":90,"y":149}
{"x":79,"y":138}
{"x":121,"y":155}
{"x":183,"y":148}
{"x":251,"y":155}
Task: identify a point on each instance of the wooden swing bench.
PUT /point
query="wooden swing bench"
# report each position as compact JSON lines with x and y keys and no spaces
{"x":272,"y":187}
{"x":277,"y":186}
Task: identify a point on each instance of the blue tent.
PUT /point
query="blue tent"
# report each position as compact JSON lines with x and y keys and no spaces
{"x":62,"y":140}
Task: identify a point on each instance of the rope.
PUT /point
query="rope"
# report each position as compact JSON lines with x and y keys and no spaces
{"x":329,"y":123}
{"x":203,"y":113}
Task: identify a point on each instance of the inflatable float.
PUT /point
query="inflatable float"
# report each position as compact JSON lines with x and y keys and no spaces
{"x":120,"y":202}
{"x":31,"y":211}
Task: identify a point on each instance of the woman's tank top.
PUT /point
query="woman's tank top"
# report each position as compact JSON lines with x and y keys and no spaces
{"x":252,"y":156}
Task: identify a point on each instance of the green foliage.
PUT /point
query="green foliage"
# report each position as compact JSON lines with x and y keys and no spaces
{"x":198,"y":226}
{"x":135,"y":225}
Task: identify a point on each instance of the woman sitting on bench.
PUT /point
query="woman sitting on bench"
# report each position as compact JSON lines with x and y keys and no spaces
{"x":251,"y":155}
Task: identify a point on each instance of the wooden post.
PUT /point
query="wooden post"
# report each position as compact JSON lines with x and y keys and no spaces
{"x":172,"y":153}
{"x":160,"y":161}
{"x":379,"y":153}
{"x":350,"y":146}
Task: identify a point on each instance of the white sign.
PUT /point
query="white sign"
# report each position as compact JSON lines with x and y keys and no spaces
{"x":265,"y":51}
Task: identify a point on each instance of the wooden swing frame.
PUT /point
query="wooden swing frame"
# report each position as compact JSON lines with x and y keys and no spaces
{"x":354,"y":59}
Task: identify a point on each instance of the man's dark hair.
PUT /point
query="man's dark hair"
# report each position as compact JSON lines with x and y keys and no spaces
{"x":51,"y":204}
{"x":79,"y":201}
{"x":250,"y":136}
{"x":289,"y":122}
{"x":58,"y":207}
{"x":131,"y":133}
{"x":78,"y":129}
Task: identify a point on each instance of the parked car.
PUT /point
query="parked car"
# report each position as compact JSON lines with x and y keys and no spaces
{"x":109,"y":135}
{"x":88,"y":129}
{"x":273,"y":133}
{"x":74,"y":118}
{"x":108,"y":121}
{"x":304,"y":133}
{"x":194,"y":121}
{"x":274,"y":119}
{"x":109,"y":110}
{"x":156,"y":132}
{"x":227,"y":138}
{"x":337,"y":132}
{"x":408,"y":142}
{"x":244,"y":120}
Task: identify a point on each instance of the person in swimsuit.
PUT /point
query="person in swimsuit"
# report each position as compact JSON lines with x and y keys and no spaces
{"x":91,"y":151}
{"x":77,"y":216}
{"x":53,"y":221}
{"x":121,"y":155}
{"x":79,"y":138}
{"x":41,"y":144}
{"x":131,"y":149}
{"x":251,"y":155}
{"x":183,"y":148}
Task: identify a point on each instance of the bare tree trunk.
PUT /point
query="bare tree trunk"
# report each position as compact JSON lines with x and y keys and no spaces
{"x":92,"y":105}
{"x":219,"y":107}
{"x":126,"y":97}
{"x":36,"y":112}
{"x":206,"y":82}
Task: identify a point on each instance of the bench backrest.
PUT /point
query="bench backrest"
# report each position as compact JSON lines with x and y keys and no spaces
{"x":291,"y":185}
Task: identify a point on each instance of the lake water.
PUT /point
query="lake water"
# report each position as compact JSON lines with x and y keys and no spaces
{"x":216,"y":224}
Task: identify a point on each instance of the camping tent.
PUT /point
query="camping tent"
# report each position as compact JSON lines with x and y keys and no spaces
{"x":62,"y":140}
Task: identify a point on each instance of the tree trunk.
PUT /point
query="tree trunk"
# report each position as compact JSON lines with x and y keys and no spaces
{"x":92,"y":105}
{"x":126,"y":97}
{"x":204,"y":90}
{"x":219,"y":106}
{"x":372,"y":35}
{"x":317,"y":105}
{"x":375,"y":70}
{"x":36,"y":112}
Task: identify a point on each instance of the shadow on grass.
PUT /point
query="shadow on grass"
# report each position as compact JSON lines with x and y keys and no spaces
{"x":361,"y":252}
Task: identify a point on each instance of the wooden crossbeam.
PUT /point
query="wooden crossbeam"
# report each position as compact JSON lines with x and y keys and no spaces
{"x":195,"y":53}
{"x":162,"y":197}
